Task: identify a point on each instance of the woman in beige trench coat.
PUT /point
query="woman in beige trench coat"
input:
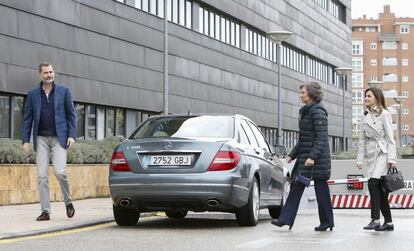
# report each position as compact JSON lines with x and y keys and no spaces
{"x":376,"y":145}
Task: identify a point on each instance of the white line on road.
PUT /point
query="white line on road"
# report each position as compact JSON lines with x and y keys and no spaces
{"x":263,"y":242}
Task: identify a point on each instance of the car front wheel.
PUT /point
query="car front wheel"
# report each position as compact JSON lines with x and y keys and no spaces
{"x":125,"y":217}
{"x":249,"y":214}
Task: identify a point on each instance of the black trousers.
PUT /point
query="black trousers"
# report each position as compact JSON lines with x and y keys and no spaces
{"x":323,"y":198}
{"x":379,"y":200}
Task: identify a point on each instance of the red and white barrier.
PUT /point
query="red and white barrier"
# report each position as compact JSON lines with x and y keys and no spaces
{"x":363,"y":201}
{"x":344,"y":181}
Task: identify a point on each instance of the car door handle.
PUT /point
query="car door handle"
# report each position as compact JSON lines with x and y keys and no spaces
{"x":257,"y":151}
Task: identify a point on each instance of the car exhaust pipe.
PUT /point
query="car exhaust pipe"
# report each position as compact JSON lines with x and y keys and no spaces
{"x":125,"y":202}
{"x":212,"y":203}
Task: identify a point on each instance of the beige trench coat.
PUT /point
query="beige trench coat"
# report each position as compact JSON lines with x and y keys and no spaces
{"x":376,"y":143}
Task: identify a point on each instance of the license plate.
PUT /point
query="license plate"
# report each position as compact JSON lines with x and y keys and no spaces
{"x":170,"y":160}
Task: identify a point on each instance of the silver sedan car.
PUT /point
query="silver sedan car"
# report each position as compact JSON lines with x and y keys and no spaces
{"x":181,"y":163}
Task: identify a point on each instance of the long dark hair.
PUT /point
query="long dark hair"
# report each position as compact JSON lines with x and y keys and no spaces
{"x":379,"y":96}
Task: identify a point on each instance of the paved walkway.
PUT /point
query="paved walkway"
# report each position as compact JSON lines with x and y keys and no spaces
{"x":20,"y":220}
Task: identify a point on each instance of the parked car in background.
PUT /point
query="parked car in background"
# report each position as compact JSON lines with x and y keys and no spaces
{"x":181,"y":163}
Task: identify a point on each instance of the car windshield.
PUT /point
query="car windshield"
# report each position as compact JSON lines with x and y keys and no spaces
{"x":186,"y":127}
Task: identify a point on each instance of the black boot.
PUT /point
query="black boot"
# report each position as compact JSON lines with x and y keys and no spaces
{"x":324,"y":227}
{"x":280,"y":224}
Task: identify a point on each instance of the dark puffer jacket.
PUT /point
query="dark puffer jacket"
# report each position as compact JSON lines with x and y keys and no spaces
{"x":313,"y":143}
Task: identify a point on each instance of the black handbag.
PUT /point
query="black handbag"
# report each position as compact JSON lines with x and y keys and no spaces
{"x":393,"y":181}
{"x":303,"y":179}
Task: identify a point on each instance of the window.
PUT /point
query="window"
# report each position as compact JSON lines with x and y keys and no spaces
{"x":405,"y":111}
{"x":91,"y":121}
{"x":404,"y":29}
{"x":357,"y":64}
{"x":17,"y":106}
{"x":100,"y":123}
{"x":404,"y":78}
{"x":357,"y":48}
{"x":404,"y":46}
{"x":373,"y":62}
{"x":120,"y":122}
{"x":110,"y":122}
{"x":249,"y":133}
{"x":370,"y":29}
{"x":404,"y":61}
{"x":357,"y":114}
{"x":389,"y":61}
{"x":358,"y":97}
{"x":373,"y":46}
{"x":357,"y":80}
{"x":374,"y":77}
{"x":406,"y":128}
{"x":390,"y":77}
{"x":405,"y":94}
{"x":80,"y":116}
{"x":389,"y":45}
{"x":216,"y":26}
{"x":259,"y":137}
{"x":4,"y":117}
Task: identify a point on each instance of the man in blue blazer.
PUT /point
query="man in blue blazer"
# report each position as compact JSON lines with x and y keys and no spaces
{"x":50,"y":114}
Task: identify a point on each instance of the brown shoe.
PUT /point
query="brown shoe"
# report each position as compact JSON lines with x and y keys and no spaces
{"x":70,"y":210}
{"x":44,"y":216}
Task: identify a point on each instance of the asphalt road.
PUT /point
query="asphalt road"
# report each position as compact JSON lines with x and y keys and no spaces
{"x":221,"y":232}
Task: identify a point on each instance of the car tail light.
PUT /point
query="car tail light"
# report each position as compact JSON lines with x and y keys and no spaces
{"x":224,"y":160}
{"x":119,"y":162}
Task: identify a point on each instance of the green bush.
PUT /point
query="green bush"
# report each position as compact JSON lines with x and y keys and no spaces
{"x":83,"y":152}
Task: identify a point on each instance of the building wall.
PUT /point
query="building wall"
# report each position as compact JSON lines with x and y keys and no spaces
{"x":111,"y":54}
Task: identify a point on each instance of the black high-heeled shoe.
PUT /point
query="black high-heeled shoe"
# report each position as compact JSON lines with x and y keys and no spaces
{"x":324,"y":227}
{"x":281,"y":224}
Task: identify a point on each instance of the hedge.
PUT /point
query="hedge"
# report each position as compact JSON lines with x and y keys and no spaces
{"x":83,"y":152}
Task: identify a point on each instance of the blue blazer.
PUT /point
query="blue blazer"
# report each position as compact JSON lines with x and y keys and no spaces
{"x":65,"y":115}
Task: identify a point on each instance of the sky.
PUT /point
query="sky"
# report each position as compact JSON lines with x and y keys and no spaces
{"x":401,"y":8}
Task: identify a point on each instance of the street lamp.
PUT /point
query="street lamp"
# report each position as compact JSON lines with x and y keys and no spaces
{"x":278,"y":37}
{"x":343,"y":72}
{"x":399,"y":100}
{"x":375,"y":83}
{"x":165,"y":82}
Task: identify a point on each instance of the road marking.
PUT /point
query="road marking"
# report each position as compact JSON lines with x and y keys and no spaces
{"x":263,"y":242}
{"x":65,"y":232}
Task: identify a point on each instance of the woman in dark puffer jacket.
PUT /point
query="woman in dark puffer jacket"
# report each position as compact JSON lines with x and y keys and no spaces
{"x":313,"y":159}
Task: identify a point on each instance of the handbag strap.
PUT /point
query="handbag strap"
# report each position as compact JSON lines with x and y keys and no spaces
{"x":392,"y":170}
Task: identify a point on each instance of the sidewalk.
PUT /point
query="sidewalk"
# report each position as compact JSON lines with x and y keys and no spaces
{"x":20,"y":220}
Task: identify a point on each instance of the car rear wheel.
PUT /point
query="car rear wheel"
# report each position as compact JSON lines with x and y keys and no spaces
{"x":276,"y":211}
{"x":249,"y":214}
{"x":125,"y":217}
{"x":176,"y":214}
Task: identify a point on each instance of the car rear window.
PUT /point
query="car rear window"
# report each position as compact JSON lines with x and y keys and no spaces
{"x":186,"y":127}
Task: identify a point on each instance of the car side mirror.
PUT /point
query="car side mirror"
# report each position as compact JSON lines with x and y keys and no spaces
{"x":280,"y":151}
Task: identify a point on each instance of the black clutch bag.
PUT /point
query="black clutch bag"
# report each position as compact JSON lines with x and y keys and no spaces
{"x":393,"y":181}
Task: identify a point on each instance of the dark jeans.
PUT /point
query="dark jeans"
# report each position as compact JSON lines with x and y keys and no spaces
{"x":379,"y":200}
{"x":323,"y":198}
